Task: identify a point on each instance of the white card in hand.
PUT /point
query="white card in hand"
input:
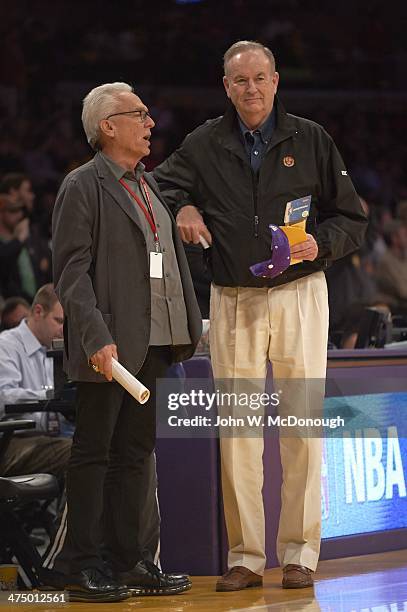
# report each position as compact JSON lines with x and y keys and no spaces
{"x":156,"y":265}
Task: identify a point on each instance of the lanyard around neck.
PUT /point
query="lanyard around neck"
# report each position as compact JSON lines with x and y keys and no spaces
{"x":148,"y":212}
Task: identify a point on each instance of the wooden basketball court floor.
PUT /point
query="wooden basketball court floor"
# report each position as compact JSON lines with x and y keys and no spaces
{"x":371,"y":583}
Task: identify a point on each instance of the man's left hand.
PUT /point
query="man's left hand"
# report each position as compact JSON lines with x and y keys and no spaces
{"x":305,"y":250}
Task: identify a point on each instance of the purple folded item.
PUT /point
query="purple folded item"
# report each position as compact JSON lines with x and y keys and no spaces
{"x":280,"y":256}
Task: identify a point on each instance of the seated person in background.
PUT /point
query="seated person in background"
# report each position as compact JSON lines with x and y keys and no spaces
{"x":15,"y":309}
{"x":354,"y":291}
{"x":14,"y":258}
{"x":24,"y":256}
{"x":18,"y":188}
{"x":26,"y":373}
{"x":349,"y":287}
{"x":17,"y":275}
{"x":392,"y":268}
{"x":360,"y":331}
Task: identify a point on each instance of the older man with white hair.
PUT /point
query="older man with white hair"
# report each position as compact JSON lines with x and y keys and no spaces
{"x":121,"y":274}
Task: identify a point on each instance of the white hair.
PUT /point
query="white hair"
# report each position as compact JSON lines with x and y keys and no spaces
{"x":97,"y":105}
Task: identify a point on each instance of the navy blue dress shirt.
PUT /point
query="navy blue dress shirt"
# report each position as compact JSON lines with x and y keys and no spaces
{"x":256,"y":141}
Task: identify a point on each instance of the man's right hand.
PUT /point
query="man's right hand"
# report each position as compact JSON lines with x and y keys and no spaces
{"x":103,"y":360}
{"x":191,"y":225}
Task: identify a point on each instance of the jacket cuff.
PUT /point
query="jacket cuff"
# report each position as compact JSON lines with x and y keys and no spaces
{"x":96,"y":339}
{"x":324,"y":249}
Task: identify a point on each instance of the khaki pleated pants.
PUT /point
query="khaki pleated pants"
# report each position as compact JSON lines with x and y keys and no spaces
{"x":287,"y":325}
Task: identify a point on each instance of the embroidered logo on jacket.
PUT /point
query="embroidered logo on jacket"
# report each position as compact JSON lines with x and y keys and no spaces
{"x":288,"y":161}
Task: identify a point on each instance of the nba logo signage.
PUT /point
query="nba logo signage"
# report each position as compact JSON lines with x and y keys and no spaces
{"x":364,"y":469}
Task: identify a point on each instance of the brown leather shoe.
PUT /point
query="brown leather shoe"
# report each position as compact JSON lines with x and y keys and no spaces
{"x":297,"y":577}
{"x":238,"y":578}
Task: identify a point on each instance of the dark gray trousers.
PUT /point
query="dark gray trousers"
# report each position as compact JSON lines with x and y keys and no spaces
{"x":112,"y":512}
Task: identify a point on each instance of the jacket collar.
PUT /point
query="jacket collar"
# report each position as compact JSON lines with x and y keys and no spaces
{"x":228,"y":132}
{"x":119,"y":172}
{"x":265,"y":130}
{"x":112,"y":186}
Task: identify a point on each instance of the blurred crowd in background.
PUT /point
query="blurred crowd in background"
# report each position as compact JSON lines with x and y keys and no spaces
{"x":343,"y":70}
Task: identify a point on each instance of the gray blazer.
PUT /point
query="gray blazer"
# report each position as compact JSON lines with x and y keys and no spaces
{"x":101,"y":272}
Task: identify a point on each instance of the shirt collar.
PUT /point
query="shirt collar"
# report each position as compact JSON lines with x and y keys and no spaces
{"x":31,"y":343}
{"x":119,"y":172}
{"x":265,"y":130}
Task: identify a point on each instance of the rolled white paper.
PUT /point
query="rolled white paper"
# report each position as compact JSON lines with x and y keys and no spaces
{"x":204,"y":243}
{"x":129,"y":382}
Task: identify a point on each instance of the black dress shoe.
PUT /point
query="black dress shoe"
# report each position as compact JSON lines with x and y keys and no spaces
{"x":87,"y":585}
{"x":147,"y":579}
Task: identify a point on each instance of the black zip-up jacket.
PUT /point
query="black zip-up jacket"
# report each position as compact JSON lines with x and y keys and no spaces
{"x":211,"y":171}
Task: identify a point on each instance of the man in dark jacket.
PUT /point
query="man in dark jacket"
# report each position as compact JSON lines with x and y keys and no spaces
{"x":25,"y":263}
{"x":121,"y":274}
{"x":231,"y":178}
